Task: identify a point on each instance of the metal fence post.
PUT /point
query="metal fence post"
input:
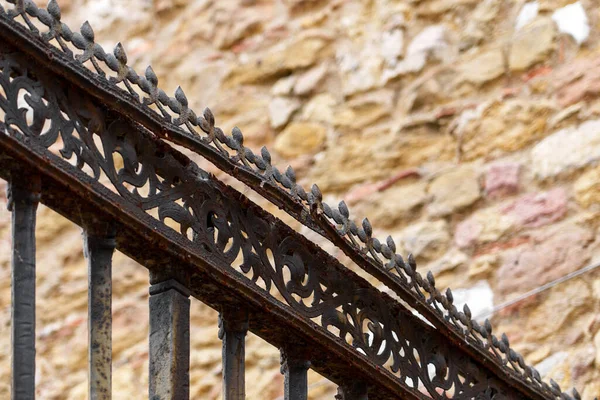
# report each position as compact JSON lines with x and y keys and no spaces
{"x":99,"y":248}
{"x":23,"y":199}
{"x":295,"y":371}
{"x":169,"y":341}
{"x":233,"y":326}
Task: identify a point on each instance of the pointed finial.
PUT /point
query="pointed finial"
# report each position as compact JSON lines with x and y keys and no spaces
{"x":266,"y":156}
{"x":316,"y":192}
{"x":488,"y":326}
{"x":505,"y":340}
{"x":180,"y":96}
{"x":431,"y":279}
{"x":449,"y":296}
{"x":412,"y":262}
{"x":391,"y":244}
{"x":467,"y":311}
{"x":54,"y":9}
{"x":289,"y":172}
{"x":87,"y":32}
{"x":209,"y":117}
{"x":151,"y":76}
{"x":119,"y":53}
{"x":343,"y":208}
{"x":367,"y":227}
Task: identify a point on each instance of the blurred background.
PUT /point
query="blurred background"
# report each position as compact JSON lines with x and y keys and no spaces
{"x":469,"y":130}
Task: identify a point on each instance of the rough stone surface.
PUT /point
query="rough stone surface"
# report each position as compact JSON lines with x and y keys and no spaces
{"x":300,"y":138}
{"x":398,"y":202}
{"x":430,"y":42}
{"x":587,"y":188}
{"x":308,"y":81}
{"x":551,"y":257}
{"x":484,"y":67}
{"x":320,"y":108}
{"x":569,"y":299}
{"x":302,"y":52}
{"x":537,"y":209}
{"x":453,"y":259}
{"x":485,"y":225}
{"x":374,"y":157}
{"x":281,"y":110}
{"x":567,"y":149}
{"x":501,"y":179}
{"x":454,"y":190}
{"x":483,"y":265}
{"x":360,"y":66}
{"x":577,"y":80}
{"x":501,"y":127}
{"x":364,"y":110}
{"x":425,"y":240}
{"x":531,"y":44}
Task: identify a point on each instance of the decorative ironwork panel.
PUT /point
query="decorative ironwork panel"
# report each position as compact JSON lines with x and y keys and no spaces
{"x":240,"y":235}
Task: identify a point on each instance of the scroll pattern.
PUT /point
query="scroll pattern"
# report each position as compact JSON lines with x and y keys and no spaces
{"x":332,"y":222}
{"x":309,"y":281}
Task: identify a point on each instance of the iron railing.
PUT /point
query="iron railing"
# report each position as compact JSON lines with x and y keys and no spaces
{"x":86,"y":135}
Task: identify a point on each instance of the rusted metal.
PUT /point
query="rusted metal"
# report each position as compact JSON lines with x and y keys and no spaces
{"x":295,"y":371}
{"x":352,"y":391}
{"x":99,"y":248}
{"x":233,"y":327}
{"x":23,"y":198}
{"x":169,"y":341}
{"x":361,"y":335}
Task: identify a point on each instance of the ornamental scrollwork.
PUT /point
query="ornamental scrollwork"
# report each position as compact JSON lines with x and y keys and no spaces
{"x":165,"y":184}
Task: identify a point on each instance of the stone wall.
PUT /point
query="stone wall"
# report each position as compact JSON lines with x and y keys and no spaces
{"x":469,"y":130}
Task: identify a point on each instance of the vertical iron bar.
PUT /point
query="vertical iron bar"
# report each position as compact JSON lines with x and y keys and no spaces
{"x":23,"y":199}
{"x":295,"y":371}
{"x":169,"y":341}
{"x":233,"y":326}
{"x":99,"y":250}
{"x":352,"y":391}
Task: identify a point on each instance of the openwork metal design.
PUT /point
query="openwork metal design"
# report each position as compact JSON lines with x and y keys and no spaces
{"x":454,"y":357}
{"x":314,"y":284}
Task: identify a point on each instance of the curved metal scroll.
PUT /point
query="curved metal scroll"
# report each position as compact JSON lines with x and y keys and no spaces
{"x":313,"y":284}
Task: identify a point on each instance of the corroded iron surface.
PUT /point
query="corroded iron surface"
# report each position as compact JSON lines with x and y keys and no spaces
{"x":457,"y":358}
{"x":23,"y":199}
{"x":99,"y":251}
{"x":169,"y":352}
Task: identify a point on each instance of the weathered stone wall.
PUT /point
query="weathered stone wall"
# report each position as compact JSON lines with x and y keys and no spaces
{"x":467,"y":129}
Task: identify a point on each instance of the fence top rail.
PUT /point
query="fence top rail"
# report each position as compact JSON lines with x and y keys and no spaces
{"x":108,"y":77}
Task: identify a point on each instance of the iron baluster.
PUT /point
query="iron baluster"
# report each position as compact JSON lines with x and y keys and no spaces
{"x":23,"y":198}
{"x":233,"y":326}
{"x":295,"y":371}
{"x":99,"y":248}
{"x":169,"y":341}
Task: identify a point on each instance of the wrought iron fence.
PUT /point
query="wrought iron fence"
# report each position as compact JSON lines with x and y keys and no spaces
{"x":86,"y":135}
